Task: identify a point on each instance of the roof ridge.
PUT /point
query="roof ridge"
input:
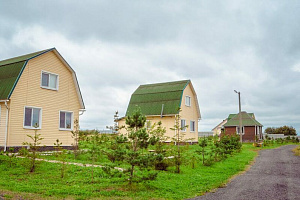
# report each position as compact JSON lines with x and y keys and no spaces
{"x":163,"y":83}
{"x":22,"y":57}
{"x":156,"y":92}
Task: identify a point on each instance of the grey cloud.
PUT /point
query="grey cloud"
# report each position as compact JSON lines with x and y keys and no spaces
{"x":115,"y":46}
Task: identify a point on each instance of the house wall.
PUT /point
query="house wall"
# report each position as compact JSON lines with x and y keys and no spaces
{"x":167,"y":122}
{"x":29,"y":93}
{"x":230,"y":130}
{"x":249,"y":132}
{"x":189,"y":113}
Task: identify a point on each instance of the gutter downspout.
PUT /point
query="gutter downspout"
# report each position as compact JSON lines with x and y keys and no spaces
{"x":162,"y":111}
{"x":175,"y":130}
{"x":6,"y":125}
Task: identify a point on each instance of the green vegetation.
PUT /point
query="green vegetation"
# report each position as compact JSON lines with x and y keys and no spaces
{"x":271,"y":141}
{"x":297,"y":151}
{"x":138,"y":165}
{"x":77,"y":184}
{"x":286,"y":130}
{"x":34,"y":147}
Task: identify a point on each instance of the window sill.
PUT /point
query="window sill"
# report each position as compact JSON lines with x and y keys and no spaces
{"x":65,"y":129}
{"x":32,"y":128}
{"x":48,"y":88}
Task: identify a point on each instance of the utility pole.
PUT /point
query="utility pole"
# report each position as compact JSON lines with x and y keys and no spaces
{"x":240,"y":117}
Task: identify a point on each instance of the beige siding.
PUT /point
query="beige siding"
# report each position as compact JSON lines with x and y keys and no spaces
{"x":29,"y":93}
{"x":189,"y":113}
{"x":167,"y":122}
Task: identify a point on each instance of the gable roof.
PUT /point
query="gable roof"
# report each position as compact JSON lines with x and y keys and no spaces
{"x":159,"y":98}
{"x":12,"y":69}
{"x":220,"y":124}
{"x":248,"y":119}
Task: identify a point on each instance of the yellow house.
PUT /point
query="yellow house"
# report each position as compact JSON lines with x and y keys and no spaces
{"x":38,"y":89}
{"x":161,"y":102}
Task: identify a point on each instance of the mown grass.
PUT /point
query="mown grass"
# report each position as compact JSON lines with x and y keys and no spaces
{"x":46,"y":181}
{"x":297,"y":151}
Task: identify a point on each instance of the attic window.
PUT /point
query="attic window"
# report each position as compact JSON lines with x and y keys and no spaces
{"x":49,"y":81}
{"x":187,"y":100}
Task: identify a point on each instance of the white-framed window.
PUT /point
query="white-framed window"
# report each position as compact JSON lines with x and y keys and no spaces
{"x":49,"y":80}
{"x":65,"y":120}
{"x":192,"y":126}
{"x":187,"y":100}
{"x":182,"y":125}
{"x":32,"y":117}
{"x":238,"y":130}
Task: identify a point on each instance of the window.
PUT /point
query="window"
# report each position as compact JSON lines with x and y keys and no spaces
{"x":49,"y":81}
{"x":65,"y":120}
{"x":238,"y":130}
{"x":32,"y":117}
{"x":187,"y":100}
{"x":192,"y":126}
{"x":183,"y":127}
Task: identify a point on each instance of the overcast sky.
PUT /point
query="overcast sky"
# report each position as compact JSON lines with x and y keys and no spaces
{"x":221,"y":46}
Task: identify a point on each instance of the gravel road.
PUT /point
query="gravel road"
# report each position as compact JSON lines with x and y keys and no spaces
{"x":275,"y":175}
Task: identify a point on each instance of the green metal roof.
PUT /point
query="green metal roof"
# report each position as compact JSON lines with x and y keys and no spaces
{"x":152,"y":97}
{"x":232,"y":115}
{"x":247,"y":120}
{"x":11,"y":70}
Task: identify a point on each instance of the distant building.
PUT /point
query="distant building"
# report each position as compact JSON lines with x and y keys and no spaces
{"x":251,"y":128}
{"x":205,"y":134}
{"x":218,"y":129}
{"x":161,"y":102}
{"x":106,"y":131}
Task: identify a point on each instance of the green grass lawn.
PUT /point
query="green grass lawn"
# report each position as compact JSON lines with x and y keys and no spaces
{"x":46,"y":181}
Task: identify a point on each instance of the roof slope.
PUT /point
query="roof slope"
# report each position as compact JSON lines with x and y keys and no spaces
{"x":232,"y":115}
{"x":10,"y":70}
{"x":247,"y":120}
{"x":152,"y":97}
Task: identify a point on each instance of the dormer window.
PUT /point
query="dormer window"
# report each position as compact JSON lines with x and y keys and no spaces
{"x":49,"y":81}
{"x":187,"y":100}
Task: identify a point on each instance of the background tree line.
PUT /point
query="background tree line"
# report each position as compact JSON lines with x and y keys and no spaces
{"x":286,"y":130}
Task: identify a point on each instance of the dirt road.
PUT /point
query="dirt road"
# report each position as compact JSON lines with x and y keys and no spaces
{"x":275,"y":175}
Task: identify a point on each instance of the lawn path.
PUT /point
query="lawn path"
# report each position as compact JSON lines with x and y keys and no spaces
{"x":72,"y":163}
